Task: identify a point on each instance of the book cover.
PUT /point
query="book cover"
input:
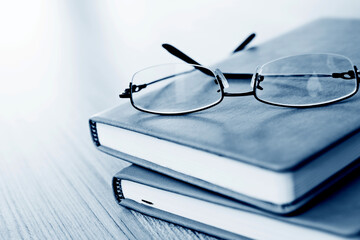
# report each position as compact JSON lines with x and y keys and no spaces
{"x":334,"y":214}
{"x":267,"y":156}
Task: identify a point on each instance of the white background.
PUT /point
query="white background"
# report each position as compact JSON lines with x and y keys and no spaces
{"x":45,"y":43}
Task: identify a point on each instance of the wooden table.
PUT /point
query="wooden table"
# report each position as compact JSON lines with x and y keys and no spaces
{"x":54,"y":184}
{"x":63,"y":61}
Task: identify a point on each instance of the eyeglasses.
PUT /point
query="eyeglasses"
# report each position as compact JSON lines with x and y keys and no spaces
{"x":299,"y":81}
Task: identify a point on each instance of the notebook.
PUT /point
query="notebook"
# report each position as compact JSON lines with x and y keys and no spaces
{"x":267,"y":156}
{"x":334,"y":214}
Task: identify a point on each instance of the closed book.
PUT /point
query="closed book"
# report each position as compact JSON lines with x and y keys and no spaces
{"x":267,"y":156}
{"x":334,"y":214}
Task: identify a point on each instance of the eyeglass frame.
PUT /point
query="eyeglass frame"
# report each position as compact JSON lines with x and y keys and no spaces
{"x":222,"y":78}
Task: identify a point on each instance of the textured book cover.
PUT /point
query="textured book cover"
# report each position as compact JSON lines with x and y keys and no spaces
{"x":296,"y":145}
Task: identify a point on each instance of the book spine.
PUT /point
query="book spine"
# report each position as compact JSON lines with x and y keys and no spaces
{"x":93,"y":132}
{"x":118,"y":193}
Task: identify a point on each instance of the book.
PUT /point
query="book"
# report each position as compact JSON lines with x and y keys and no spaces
{"x":334,"y":214}
{"x":267,"y":156}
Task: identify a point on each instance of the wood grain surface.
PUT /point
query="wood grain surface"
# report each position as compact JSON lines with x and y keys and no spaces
{"x":63,"y":61}
{"x":54,"y":184}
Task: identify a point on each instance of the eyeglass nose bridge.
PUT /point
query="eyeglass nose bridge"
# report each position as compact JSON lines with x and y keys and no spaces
{"x":222,"y":78}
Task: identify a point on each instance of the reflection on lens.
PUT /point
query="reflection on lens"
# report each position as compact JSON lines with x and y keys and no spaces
{"x":175,"y":88}
{"x":305,"y":80}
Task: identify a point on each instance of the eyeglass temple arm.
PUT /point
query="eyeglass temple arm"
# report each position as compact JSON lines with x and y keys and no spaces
{"x":244,"y":43}
{"x":179,"y":54}
{"x":344,"y":75}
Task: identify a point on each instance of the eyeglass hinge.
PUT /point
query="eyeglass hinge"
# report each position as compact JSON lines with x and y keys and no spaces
{"x":345,"y":75}
{"x":125,"y":94}
{"x":132,"y":88}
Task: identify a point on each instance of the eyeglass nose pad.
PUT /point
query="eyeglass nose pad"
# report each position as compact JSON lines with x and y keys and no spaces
{"x":252,"y":83}
{"x":222,"y":78}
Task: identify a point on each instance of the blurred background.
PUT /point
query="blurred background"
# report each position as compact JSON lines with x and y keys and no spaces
{"x":62,"y":61}
{"x":48,"y":47}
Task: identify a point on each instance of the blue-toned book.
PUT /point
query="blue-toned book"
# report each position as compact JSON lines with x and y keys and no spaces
{"x":334,"y":214}
{"x":270,"y":157}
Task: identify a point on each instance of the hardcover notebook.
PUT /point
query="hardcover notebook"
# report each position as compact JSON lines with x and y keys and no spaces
{"x":335,"y":214}
{"x":267,"y":156}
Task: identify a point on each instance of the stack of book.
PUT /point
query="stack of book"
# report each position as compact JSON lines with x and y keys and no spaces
{"x":244,"y":168}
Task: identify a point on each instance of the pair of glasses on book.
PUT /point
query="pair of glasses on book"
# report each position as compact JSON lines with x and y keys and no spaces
{"x":299,"y":81}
